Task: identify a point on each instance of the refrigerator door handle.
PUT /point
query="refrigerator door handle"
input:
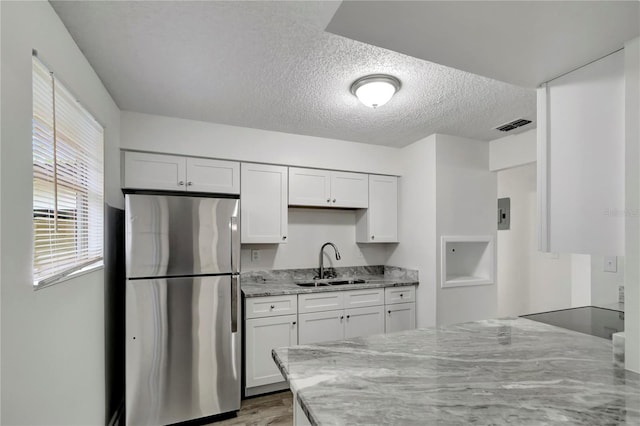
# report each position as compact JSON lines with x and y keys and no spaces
{"x":235,"y":244}
{"x":235,"y":300}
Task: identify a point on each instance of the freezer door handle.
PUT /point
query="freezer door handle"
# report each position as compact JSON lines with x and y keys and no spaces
{"x":235,"y":244}
{"x":235,"y":300}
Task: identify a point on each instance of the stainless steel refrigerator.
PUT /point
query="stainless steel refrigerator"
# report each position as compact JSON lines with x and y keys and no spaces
{"x":182,"y":308}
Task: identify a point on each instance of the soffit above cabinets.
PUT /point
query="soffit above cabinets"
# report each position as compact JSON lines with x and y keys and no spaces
{"x":271,"y":65}
{"x":520,"y":42}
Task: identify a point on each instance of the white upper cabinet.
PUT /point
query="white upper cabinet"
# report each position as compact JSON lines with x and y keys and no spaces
{"x":349,"y":190}
{"x":379,"y":223}
{"x":309,"y":187}
{"x":263,"y":204}
{"x":176,"y":173}
{"x":154,"y":171}
{"x":206,"y":175}
{"x":326,"y":188}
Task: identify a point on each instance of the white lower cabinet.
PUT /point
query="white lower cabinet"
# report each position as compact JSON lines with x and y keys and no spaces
{"x":263,"y":335}
{"x":363,"y":315}
{"x":270,"y":322}
{"x":401,"y":316}
{"x":400,"y":308}
{"x":288,"y":320}
{"x":326,"y":326}
{"x":316,"y":327}
{"x":363,"y":321}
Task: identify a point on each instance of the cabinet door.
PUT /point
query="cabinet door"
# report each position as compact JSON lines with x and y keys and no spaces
{"x":319,"y":327}
{"x":309,"y":187}
{"x":154,"y":171}
{"x":349,"y":190}
{"x":264,"y":204}
{"x":216,"y":176}
{"x":364,"y":321}
{"x":263,"y":335}
{"x":379,"y":223}
{"x":400,"y":317}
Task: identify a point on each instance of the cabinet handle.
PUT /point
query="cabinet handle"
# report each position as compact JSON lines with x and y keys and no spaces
{"x":341,"y":317}
{"x":294,"y":323}
{"x":181,"y":183}
{"x":328,"y":200}
{"x":401,"y":295}
{"x":373,"y":237}
{"x":284,"y":237}
{"x":389,"y":312}
{"x":348,"y":316}
{"x":272,"y":306}
{"x":334,"y":200}
{"x":189,"y":183}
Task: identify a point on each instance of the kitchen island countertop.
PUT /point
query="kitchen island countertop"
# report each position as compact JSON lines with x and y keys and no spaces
{"x":503,"y":371}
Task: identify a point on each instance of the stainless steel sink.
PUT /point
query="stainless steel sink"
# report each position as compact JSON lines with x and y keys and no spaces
{"x":329,"y":282}
{"x":311,"y":284}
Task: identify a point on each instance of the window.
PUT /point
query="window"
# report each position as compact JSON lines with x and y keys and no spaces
{"x":67,"y":181}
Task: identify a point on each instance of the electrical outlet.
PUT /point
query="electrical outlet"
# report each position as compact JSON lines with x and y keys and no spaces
{"x":610,"y":264}
{"x":255,"y":255}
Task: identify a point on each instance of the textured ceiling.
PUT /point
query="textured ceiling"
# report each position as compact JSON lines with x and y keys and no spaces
{"x":271,"y":65}
{"x":521,"y":42}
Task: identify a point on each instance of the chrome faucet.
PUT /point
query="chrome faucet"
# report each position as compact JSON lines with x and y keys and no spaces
{"x":322,"y":257}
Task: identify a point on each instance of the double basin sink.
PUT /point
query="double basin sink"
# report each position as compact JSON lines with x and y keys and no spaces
{"x":330,"y":282}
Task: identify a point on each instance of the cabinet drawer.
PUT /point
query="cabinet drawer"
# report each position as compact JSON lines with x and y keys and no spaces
{"x":363,"y":298}
{"x":258,"y":307}
{"x":317,"y":302}
{"x":399,"y":294}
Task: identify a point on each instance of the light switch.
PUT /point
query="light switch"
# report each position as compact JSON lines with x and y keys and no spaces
{"x":610,"y":264}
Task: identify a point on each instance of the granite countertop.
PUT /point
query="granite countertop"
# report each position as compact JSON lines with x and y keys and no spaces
{"x":275,"y":283}
{"x":503,"y":371}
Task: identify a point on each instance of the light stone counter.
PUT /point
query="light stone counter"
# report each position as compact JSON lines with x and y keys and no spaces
{"x":507,"y":371}
{"x":279,"y":282}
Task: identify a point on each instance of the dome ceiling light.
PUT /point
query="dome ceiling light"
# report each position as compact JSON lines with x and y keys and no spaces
{"x":375,"y":90}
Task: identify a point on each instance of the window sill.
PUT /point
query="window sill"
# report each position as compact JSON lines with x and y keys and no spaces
{"x":84,"y":271}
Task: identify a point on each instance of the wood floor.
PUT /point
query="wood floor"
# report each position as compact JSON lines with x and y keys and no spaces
{"x":275,"y":409}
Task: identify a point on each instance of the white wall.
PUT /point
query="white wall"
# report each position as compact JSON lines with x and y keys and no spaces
{"x":513,"y":150}
{"x":417,"y":224}
{"x":466,"y":205}
{"x":604,"y":285}
{"x":179,"y":136}
{"x":512,"y":248}
{"x":632,"y":205}
{"x":53,"y":339}
{"x":580,"y":280}
{"x":585,"y":158}
{"x":308,"y":230}
{"x":528,"y":281}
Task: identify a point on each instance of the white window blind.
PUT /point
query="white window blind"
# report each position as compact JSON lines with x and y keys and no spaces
{"x":67,"y":181}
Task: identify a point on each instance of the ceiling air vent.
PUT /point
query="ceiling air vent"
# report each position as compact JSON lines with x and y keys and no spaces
{"x":513,"y":125}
